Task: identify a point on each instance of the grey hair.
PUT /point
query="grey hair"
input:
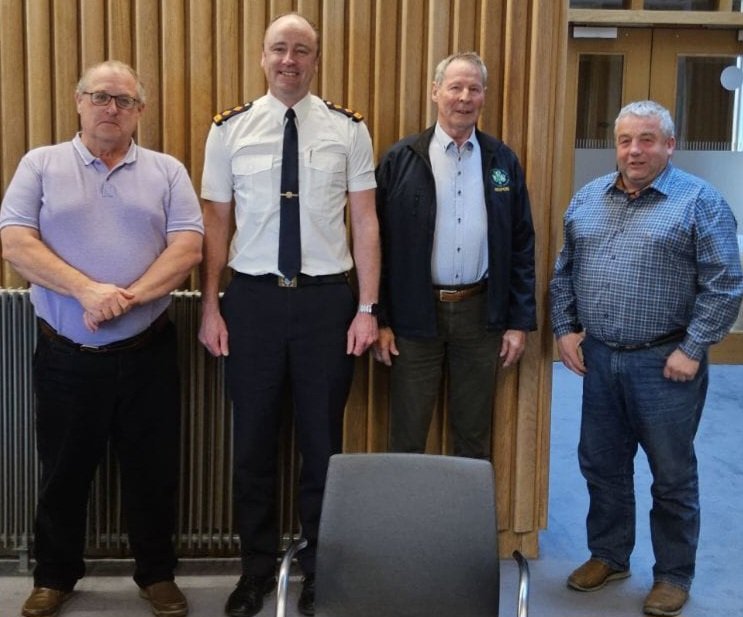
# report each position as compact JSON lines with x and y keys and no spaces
{"x":116,"y":66}
{"x":645,"y":109}
{"x":467,"y":56}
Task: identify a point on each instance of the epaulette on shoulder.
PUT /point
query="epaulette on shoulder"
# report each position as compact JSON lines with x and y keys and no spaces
{"x":354,"y":115}
{"x":229,"y":113}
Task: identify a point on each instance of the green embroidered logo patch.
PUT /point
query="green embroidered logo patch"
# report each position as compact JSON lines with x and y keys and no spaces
{"x":500,"y":179}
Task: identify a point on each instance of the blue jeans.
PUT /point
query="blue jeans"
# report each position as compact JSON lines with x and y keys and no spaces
{"x":626,"y":402}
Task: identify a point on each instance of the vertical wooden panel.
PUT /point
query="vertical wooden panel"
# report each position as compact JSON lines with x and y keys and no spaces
{"x":386,"y":64}
{"x":201,"y":67}
{"x":119,"y":26}
{"x":13,"y":118}
{"x":464,"y":30}
{"x":438,"y":47}
{"x":255,"y":21}
{"x":66,"y":66}
{"x":334,"y":57}
{"x":414,"y":87}
{"x":146,"y":61}
{"x":39,"y":75}
{"x":92,"y":32}
{"x":173,"y":86}
{"x":359,"y":52}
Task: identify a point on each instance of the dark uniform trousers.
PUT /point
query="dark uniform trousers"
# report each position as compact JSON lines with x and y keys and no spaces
{"x":84,"y":400}
{"x":283,"y":338}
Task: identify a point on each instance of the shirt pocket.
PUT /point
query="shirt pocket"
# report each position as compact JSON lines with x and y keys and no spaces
{"x":252,"y":176}
{"x":326,"y":176}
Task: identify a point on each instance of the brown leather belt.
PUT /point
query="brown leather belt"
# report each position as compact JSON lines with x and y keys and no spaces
{"x":458,"y":293}
{"x":301,"y":280}
{"x":128,"y":344}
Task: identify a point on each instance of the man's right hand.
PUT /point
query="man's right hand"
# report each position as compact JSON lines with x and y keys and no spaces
{"x":213,"y":333}
{"x":385,"y":347}
{"x":103,"y":302}
{"x":568,"y":347}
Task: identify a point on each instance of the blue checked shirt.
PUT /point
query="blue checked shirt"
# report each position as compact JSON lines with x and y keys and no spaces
{"x":632,"y":271}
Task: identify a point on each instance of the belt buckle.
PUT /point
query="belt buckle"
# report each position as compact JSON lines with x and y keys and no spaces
{"x":447,"y":295}
{"x":287,"y":282}
{"x":91,"y":348}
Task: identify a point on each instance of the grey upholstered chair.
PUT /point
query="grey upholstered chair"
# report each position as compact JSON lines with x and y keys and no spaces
{"x":407,"y":535}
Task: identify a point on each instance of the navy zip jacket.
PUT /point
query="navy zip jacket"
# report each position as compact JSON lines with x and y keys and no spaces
{"x":406,"y":207}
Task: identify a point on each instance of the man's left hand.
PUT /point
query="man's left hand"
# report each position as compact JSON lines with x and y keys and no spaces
{"x":362,"y":334}
{"x":512,"y":347}
{"x":680,"y":367}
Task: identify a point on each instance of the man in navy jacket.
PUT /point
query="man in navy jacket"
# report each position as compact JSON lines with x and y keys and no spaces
{"x":457,"y":265}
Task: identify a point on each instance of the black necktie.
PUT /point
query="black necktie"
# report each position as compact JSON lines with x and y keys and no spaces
{"x":290,"y":247}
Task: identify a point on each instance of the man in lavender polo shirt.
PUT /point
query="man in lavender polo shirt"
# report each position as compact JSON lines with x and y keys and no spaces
{"x":104,"y":230}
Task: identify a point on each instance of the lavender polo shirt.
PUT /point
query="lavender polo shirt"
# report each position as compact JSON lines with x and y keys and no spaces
{"x":111,"y":224}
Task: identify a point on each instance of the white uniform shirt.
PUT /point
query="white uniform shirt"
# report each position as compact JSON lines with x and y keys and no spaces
{"x":243,"y":158}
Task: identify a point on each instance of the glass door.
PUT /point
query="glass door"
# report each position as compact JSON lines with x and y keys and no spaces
{"x":697,"y":75}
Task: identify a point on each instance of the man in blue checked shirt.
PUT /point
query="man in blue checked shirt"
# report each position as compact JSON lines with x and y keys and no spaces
{"x":648,"y":278}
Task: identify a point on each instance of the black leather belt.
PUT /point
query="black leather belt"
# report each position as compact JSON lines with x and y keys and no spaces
{"x":301,"y":280}
{"x":673,"y":337}
{"x":459,"y":292}
{"x":128,"y":344}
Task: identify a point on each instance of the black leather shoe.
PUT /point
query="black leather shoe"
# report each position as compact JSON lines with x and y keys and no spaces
{"x":306,"y":604}
{"x":247,"y":598}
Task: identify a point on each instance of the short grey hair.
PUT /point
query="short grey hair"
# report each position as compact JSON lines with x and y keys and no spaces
{"x":467,"y":56}
{"x":646,"y":109}
{"x":116,"y":66}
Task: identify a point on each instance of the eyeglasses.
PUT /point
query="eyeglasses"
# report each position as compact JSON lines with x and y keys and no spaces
{"x":123,"y":101}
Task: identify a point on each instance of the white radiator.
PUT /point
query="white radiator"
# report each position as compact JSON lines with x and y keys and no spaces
{"x":205,"y":525}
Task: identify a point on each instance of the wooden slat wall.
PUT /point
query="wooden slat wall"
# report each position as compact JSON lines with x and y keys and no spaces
{"x":198,"y":57}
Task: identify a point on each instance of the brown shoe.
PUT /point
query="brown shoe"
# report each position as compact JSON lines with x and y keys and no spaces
{"x":593,"y":575}
{"x":166,"y":599}
{"x":44,"y":602}
{"x":665,"y":599}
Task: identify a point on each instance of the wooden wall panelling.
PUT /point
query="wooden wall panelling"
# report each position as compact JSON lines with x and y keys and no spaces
{"x":198,"y":58}
{"x":173,"y":90}
{"x":13,"y":114}
{"x":414,"y":69}
{"x":464,"y":35}
{"x":359,"y":80}
{"x":92,"y":20}
{"x":199,"y":78}
{"x":438,"y":47}
{"x":38,"y":76}
{"x":255,"y":19}
{"x":146,"y":60}
{"x":334,"y":58}
{"x":386,"y":89}
{"x":119,"y":29}
{"x":490,"y":43}
{"x":66,"y":67}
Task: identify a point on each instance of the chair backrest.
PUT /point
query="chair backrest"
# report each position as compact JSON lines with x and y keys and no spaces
{"x":407,"y":535}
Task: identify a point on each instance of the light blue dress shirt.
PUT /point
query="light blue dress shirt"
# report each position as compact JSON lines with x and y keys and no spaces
{"x":460,"y":246}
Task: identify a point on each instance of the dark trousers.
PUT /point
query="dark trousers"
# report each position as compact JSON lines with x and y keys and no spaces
{"x":84,"y":400}
{"x":470,"y":354}
{"x":284,"y":338}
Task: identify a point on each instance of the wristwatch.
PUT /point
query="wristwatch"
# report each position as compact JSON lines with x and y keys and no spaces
{"x":372,"y":309}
